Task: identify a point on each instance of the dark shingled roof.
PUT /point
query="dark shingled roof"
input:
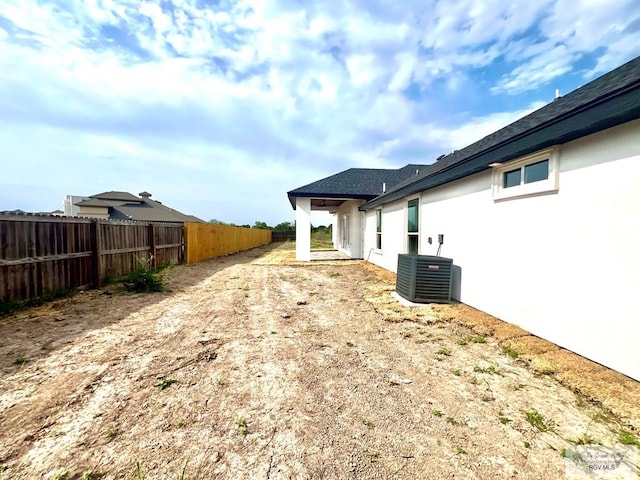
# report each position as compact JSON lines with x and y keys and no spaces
{"x":97,"y":202}
{"x":150,"y":211}
{"x":610,"y":100}
{"x":125,"y":206}
{"x":121,"y":196}
{"x":360,"y":183}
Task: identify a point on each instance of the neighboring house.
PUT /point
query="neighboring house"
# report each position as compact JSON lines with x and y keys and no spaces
{"x":123,"y":206}
{"x":69,"y":204}
{"x":542,"y":218}
{"x":55,"y":213}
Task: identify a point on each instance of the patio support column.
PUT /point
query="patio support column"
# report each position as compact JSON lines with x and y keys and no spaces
{"x":303,"y":229}
{"x":334,"y":230}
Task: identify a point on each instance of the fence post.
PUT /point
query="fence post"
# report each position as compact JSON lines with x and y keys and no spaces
{"x":97,"y":253}
{"x":152,"y":245}
{"x":183,"y":240}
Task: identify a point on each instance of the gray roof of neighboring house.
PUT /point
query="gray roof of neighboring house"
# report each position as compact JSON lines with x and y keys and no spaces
{"x":607,"y":101}
{"x":113,"y":195}
{"x":150,"y":211}
{"x":97,"y":202}
{"x":361,"y":183}
{"x":125,"y":206}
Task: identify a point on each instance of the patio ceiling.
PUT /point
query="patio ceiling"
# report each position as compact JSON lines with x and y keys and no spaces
{"x":326,"y":204}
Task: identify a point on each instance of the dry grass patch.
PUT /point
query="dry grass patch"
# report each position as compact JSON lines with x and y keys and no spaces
{"x":615,"y":392}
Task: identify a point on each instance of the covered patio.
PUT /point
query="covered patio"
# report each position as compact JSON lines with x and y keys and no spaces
{"x":341,"y":195}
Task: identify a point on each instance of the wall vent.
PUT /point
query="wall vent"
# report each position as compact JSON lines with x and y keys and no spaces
{"x":424,"y":278}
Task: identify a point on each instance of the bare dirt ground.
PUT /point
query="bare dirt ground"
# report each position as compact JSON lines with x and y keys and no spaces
{"x":251,"y":366}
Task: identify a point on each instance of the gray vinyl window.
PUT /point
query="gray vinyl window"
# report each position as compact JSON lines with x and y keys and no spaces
{"x":413,"y":226}
{"x":536,"y":172}
{"x":531,"y":175}
{"x":533,"y":172}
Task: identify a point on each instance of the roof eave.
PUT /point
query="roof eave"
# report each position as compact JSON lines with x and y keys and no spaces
{"x":345,"y":196}
{"x":606,"y":113}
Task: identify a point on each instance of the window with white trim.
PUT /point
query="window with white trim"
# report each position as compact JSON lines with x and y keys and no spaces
{"x":413,"y":227}
{"x":379,"y":229}
{"x":530,"y":175}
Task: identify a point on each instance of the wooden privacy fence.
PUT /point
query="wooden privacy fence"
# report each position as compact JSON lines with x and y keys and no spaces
{"x":204,"y":240}
{"x":283,"y":235}
{"x":41,"y":255}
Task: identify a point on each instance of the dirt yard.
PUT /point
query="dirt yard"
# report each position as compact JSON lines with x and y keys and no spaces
{"x":250,"y":367}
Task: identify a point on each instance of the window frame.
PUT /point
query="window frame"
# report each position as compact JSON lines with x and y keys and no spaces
{"x":413,"y":202}
{"x":379,"y":229}
{"x":549,"y":185}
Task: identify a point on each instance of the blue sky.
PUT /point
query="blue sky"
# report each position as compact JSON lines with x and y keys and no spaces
{"x":218,"y":108}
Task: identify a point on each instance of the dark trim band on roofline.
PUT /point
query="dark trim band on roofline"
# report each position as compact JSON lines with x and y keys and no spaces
{"x":339,"y":196}
{"x":605,"y":112}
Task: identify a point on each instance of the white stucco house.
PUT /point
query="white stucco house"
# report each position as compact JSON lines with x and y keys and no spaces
{"x":542,"y":219}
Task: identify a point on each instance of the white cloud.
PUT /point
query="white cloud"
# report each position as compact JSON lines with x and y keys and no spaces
{"x":537,"y":72}
{"x":456,"y":138}
{"x":571,"y":30}
{"x":264,"y":96}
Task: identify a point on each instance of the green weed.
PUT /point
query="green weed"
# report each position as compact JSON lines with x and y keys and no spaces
{"x":10,"y":307}
{"x":627,"y":438}
{"x":183,"y":474}
{"x":139,"y":474}
{"x":144,"y":278}
{"x":453,"y":421}
{"x":478,"y":339}
{"x":509,"y":352}
{"x":60,"y":475}
{"x":20,"y":361}
{"x":538,"y":421}
{"x":585,"y":439}
{"x":243,"y":428}
{"x":165,"y":383}
{"x":490,"y":370}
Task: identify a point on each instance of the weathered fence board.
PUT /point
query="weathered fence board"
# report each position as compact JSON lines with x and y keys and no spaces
{"x":41,"y":255}
{"x":204,"y":241}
